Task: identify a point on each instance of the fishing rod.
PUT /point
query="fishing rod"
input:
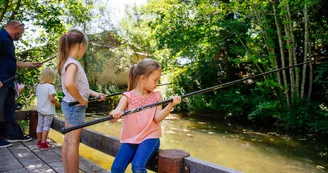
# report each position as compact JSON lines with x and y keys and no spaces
{"x":213,"y":88}
{"x":14,"y":77}
{"x":95,"y":98}
{"x":92,"y":99}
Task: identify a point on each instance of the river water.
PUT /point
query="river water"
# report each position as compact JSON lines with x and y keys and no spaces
{"x":227,"y":145}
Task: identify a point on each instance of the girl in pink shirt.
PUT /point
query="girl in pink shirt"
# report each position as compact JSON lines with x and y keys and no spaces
{"x":140,"y":131}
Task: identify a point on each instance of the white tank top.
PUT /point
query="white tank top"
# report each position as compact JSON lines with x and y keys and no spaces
{"x":80,"y":80}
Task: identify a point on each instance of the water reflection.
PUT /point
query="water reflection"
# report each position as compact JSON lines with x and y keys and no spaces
{"x":233,"y":147}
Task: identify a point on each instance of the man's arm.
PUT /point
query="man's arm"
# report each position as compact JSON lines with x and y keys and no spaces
{"x":21,"y":64}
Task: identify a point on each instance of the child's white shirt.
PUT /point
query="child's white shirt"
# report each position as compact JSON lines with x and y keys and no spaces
{"x":43,"y":92}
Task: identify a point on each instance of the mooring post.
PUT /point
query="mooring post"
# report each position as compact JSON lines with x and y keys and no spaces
{"x":33,"y":123}
{"x":172,"y":161}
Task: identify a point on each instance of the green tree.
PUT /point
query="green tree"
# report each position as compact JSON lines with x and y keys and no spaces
{"x":212,"y":42}
{"x":45,"y":22}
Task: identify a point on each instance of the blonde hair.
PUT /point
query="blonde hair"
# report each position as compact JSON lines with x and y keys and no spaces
{"x":47,"y":76}
{"x":66,"y":42}
{"x":144,"y":67}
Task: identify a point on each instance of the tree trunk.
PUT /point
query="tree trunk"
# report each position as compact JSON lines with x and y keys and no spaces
{"x":12,"y":17}
{"x":290,"y":58}
{"x":310,"y":72}
{"x":282,"y":54}
{"x":306,"y":41}
{"x":292,"y":45}
{"x":4,"y":11}
{"x":268,"y":46}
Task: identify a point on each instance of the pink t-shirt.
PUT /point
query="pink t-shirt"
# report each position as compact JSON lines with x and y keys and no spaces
{"x":140,"y":125}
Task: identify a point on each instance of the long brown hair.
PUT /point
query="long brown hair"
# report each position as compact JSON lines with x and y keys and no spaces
{"x":144,"y":67}
{"x":66,"y":42}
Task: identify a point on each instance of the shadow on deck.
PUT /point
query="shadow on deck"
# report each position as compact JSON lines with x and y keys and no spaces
{"x":25,"y":157}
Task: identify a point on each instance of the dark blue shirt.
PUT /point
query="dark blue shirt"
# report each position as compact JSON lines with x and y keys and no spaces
{"x":7,"y":58}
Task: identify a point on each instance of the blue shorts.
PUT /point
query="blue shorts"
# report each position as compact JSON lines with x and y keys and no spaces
{"x":74,"y":115}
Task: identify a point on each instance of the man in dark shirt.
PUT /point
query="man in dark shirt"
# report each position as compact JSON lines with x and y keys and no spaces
{"x":13,"y":31}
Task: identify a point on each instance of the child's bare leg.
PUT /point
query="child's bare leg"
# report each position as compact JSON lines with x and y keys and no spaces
{"x":44,"y":136}
{"x":39,"y":127}
{"x":64,"y":151}
{"x":39,"y":136}
{"x":73,"y":150}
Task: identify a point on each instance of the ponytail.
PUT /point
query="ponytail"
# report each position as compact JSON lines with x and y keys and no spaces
{"x":66,"y":42}
{"x":62,"y":52}
{"x":132,"y":79}
{"x":144,"y":67}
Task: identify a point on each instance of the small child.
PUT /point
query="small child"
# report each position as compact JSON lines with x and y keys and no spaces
{"x":45,"y":93}
{"x":141,"y":130}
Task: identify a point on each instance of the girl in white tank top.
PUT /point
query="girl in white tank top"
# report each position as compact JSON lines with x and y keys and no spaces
{"x":72,"y":46}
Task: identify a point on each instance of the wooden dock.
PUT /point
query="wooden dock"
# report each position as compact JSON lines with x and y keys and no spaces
{"x":25,"y":157}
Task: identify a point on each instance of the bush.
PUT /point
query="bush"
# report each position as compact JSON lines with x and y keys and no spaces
{"x":246,"y":101}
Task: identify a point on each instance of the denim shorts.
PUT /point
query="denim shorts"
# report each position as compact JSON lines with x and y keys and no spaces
{"x":74,"y":115}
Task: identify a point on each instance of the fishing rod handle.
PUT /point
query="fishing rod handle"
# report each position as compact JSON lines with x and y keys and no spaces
{"x":94,"y":98}
{"x":14,"y":77}
{"x":71,"y":128}
{"x":10,"y":79}
{"x":90,"y":100}
{"x":89,"y":123}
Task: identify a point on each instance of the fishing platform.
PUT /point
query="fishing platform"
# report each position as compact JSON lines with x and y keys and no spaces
{"x":25,"y":157}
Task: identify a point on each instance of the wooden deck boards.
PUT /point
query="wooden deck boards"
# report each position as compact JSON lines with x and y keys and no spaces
{"x":25,"y":157}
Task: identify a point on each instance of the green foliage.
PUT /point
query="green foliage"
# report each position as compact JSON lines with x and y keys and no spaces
{"x":111,"y":102}
{"x":45,"y":22}
{"x":265,"y":109}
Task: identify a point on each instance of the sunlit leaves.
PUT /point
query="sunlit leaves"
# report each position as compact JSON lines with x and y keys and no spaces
{"x":45,"y":21}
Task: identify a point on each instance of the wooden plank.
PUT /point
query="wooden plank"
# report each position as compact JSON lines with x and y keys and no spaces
{"x":88,"y":166}
{"x":85,"y":164}
{"x":57,"y":150}
{"x":47,"y":156}
{"x":37,"y":167}
{"x":20,"y":170}
{"x":29,"y":160}
{"x":57,"y":166}
{"x":8,"y":162}
{"x":105,"y":143}
{"x":22,"y":115}
{"x":53,"y":158}
{"x":23,"y":154}
{"x":196,"y":166}
{"x":57,"y":124}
